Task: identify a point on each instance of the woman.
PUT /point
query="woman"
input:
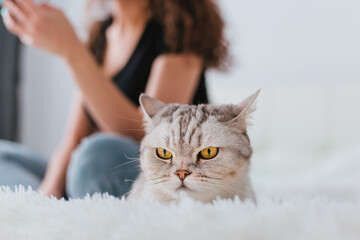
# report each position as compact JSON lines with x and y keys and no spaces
{"x":160,"y":47}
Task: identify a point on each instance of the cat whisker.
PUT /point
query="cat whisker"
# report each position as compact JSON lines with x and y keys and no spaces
{"x":152,"y":179}
{"x":130,"y":119}
{"x":216,"y":178}
{"x":159,"y":182}
{"x":129,"y":180}
{"x":127,"y":193}
{"x":134,"y":129}
{"x":231,"y":189}
{"x":131,"y":158}
{"x":120,"y":165}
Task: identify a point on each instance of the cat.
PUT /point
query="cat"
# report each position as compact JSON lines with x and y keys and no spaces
{"x":203,"y":150}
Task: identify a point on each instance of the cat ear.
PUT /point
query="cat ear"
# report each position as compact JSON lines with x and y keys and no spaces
{"x":150,"y":106}
{"x":246,"y":107}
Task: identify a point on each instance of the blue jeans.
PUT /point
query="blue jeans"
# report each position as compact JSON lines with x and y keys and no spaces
{"x":103,"y":163}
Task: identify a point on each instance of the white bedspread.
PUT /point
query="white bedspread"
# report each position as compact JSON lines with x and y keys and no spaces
{"x":322,"y":203}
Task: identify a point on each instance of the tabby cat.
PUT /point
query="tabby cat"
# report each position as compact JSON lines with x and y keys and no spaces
{"x":203,"y":150}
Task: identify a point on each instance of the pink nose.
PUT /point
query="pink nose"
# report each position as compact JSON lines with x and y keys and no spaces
{"x":182,"y":174}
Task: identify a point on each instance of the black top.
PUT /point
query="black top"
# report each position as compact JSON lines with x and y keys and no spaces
{"x":132,"y":79}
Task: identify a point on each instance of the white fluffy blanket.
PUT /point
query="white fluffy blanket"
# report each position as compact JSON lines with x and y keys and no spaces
{"x":322,"y":204}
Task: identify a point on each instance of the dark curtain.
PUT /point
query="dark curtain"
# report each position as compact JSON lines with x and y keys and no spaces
{"x":9,"y":78}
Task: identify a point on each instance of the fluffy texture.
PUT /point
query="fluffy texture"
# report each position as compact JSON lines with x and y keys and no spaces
{"x":321,"y":203}
{"x":28,"y":215}
{"x":202,"y":150}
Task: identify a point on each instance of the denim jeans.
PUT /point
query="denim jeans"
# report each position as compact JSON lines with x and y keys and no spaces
{"x":20,"y":166}
{"x":103,"y":163}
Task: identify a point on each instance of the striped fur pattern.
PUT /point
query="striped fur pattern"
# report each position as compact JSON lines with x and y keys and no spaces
{"x":185,"y":130}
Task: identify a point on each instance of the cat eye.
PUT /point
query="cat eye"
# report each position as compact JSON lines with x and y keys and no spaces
{"x":163,"y":153}
{"x":209,"y":153}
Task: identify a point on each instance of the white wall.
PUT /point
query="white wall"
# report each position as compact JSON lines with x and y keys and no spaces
{"x":305,"y":55}
{"x":47,"y":89}
{"x":287,"y":41}
{"x":302,"y":53}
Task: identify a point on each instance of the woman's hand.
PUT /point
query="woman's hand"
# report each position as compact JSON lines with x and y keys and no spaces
{"x":40,"y":25}
{"x":54,"y":181}
{"x":52,"y":187}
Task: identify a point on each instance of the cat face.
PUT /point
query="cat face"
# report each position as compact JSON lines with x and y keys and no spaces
{"x":203,"y":150}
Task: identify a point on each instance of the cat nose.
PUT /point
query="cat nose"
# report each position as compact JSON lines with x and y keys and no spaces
{"x":182,"y":174}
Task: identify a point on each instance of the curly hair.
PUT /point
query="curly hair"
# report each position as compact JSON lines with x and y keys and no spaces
{"x":190,"y":26}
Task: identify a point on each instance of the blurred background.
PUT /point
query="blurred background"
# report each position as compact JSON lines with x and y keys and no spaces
{"x":305,"y":55}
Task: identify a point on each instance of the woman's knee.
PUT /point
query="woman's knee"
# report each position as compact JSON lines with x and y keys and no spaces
{"x":96,"y":162}
{"x":9,"y":149}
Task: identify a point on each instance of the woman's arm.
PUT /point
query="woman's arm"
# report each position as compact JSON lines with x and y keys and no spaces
{"x":78,"y":127}
{"x":173,"y":78}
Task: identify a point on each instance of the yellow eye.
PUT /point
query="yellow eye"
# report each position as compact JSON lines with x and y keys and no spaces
{"x":163,"y":153}
{"x":209,"y":153}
